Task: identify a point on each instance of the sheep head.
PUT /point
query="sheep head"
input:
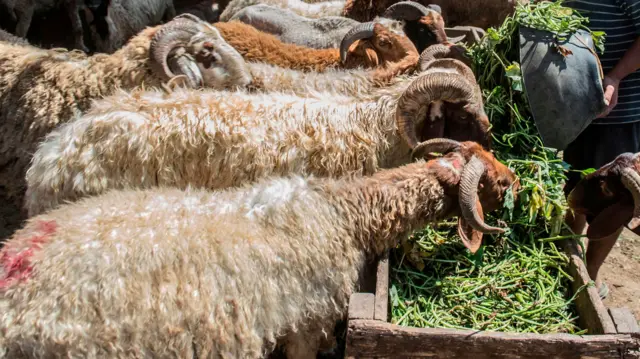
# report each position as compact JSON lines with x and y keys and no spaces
{"x":442,"y":51}
{"x":424,"y":26}
{"x":192,"y":50}
{"x":454,"y":102}
{"x":371,"y":45}
{"x":610,"y":197}
{"x":481,"y":187}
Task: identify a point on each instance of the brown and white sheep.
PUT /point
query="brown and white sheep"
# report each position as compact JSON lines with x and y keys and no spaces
{"x":166,"y":273}
{"x":221,"y":139}
{"x":478,"y":13}
{"x":373,"y":46}
{"x":41,"y":89}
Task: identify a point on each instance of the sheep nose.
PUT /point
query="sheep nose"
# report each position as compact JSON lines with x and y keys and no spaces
{"x":208,"y":45}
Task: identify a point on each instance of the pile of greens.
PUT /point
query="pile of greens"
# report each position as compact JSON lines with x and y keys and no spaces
{"x":516,"y":282}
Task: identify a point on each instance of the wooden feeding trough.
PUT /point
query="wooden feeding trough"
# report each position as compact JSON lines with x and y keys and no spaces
{"x":613,"y":333}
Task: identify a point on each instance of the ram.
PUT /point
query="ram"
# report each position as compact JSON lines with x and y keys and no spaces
{"x":169,"y":273}
{"x":477,"y":13}
{"x":221,"y":139}
{"x":423,"y":26}
{"x":376,"y":47}
{"x":41,"y":89}
{"x":313,"y":10}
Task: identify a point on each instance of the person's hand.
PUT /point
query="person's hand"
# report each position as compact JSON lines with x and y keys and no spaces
{"x":610,"y":84}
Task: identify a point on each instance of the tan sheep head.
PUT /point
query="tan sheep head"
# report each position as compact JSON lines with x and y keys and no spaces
{"x":610,"y":197}
{"x":453,"y":87}
{"x":482,"y":186}
{"x":194,"y":52}
{"x":370,"y":45}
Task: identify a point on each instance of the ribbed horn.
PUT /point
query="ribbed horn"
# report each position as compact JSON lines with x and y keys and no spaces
{"x":174,"y":34}
{"x":406,"y":10}
{"x":358,"y":32}
{"x":468,"y":193}
{"x":631,"y":180}
{"x":439,"y":145}
{"x":187,"y":66}
{"x":422,"y":92}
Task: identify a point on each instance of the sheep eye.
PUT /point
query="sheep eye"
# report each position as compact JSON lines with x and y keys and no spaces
{"x":384,"y":43}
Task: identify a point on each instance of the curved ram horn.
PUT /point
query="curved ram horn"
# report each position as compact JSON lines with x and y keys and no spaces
{"x":406,"y":10}
{"x":467,"y":199}
{"x":423,"y":91}
{"x":171,"y":36}
{"x":631,"y":180}
{"x":358,"y":32}
{"x":440,"y":145}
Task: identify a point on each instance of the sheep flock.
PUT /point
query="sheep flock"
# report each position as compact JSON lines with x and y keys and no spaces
{"x":201,"y":179}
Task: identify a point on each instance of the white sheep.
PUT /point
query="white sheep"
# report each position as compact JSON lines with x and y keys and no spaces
{"x":41,"y":89}
{"x":221,"y":139}
{"x":313,"y":10}
{"x":165,"y":273}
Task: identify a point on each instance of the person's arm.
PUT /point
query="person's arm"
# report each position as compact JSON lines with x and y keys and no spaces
{"x":630,"y":61}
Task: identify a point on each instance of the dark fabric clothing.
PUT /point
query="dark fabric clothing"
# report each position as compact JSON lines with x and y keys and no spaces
{"x":598,"y":145}
{"x":620,"y":20}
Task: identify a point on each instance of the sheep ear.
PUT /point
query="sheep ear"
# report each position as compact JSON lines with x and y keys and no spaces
{"x":471,"y":238}
{"x":372,"y":56}
{"x":609,"y":220}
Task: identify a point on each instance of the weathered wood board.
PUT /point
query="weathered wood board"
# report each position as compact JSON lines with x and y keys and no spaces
{"x":612,"y":333}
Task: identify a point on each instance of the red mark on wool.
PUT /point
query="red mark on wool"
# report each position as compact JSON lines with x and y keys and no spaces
{"x":16,"y":262}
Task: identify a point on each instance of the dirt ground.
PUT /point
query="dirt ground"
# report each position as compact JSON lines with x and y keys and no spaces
{"x":621,"y":272}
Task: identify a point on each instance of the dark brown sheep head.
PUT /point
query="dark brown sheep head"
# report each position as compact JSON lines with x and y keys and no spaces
{"x":424,"y":26}
{"x":453,"y":100}
{"x":373,"y":45}
{"x":192,"y":52}
{"x":482,"y":187}
{"x":610,"y":197}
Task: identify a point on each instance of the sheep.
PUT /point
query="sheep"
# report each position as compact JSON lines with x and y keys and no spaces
{"x":424,"y":27}
{"x":321,"y":33}
{"x":377,"y":47}
{"x":12,"y":39}
{"x":21,"y":12}
{"x":41,"y":89}
{"x":125,"y":19}
{"x":215,"y":140}
{"x":610,"y":199}
{"x":165,"y":272}
{"x":478,"y":13}
{"x":313,"y":11}
{"x":610,"y":196}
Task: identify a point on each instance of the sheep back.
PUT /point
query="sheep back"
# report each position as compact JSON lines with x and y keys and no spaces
{"x":165,"y":273}
{"x":211,"y":140}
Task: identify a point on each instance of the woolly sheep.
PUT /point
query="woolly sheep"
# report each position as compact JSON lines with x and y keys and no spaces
{"x":424,"y":27}
{"x":166,"y":273}
{"x":312,"y":11}
{"x":41,"y":89}
{"x":478,"y":13}
{"x":376,"y":47}
{"x":221,"y":139}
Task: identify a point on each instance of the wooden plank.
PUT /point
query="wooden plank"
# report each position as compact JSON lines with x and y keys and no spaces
{"x":592,"y":314}
{"x":376,"y":339}
{"x":624,"y":320}
{"x":361,"y":306}
{"x":382,"y":289}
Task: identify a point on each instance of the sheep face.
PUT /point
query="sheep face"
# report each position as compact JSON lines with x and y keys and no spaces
{"x":192,"y":52}
{"x":373,"y":45}
{"x":482,"y":185}
{"x":608,"y":197}
{"x":463,"y":121}
{"x":424,"y":26}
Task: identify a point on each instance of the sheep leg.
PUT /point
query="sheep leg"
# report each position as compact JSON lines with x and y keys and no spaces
{"x":76,"y":25}
{"x":24,"y":15}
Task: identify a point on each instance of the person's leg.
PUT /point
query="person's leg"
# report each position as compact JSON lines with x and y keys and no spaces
{"x":597,"y":252}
